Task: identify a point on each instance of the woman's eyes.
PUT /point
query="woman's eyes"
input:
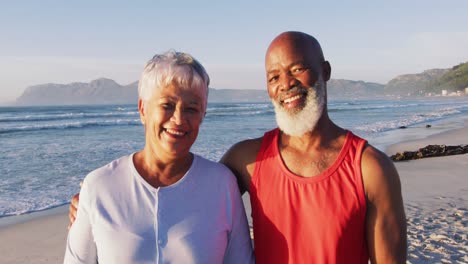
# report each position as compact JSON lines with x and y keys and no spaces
{"x":168,"y":106}
{"x":191,"y":110}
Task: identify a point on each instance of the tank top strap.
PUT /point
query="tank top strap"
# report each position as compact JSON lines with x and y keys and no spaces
{"x":356,"y":148}
{"x":267,"y":147}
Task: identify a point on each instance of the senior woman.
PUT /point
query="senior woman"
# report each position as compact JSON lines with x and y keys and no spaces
{"x":163,"y":204}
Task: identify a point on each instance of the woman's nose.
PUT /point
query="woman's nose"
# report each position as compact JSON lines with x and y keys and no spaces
{"x":177,"y":117}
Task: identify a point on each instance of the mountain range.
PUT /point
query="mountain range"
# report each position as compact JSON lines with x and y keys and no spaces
{"x":107,"y":91}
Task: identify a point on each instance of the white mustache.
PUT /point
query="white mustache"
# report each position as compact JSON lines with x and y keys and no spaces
{"x":296,"y":123}
{"x":293,"y":90}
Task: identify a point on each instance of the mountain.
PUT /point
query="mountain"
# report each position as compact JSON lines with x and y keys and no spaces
{"x":430,"y":82}
{"x":413,"y":84}
{"x":100,"y":91}
{"x":237,"y":95}
{"x":106,"y":91}
{"x":455,"y":79}
{"x":339,"y":89}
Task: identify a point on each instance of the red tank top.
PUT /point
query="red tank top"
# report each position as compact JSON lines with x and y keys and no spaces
{"x":320,"y":219}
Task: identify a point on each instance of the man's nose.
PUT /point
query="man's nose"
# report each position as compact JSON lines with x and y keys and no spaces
{"x":288,"y":82}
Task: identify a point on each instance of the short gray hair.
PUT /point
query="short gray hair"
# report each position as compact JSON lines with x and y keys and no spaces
{"x":171,"y":68}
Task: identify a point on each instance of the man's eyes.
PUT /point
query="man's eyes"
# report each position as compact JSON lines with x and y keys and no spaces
{"x":299,"y":69}
{"x":273,"y":79}
{"x":293,"y":71}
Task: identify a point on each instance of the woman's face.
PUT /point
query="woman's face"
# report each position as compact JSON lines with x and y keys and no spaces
{"x":172,"y":118}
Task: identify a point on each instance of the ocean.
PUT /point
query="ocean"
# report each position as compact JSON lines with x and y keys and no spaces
{"x":46,"y":151}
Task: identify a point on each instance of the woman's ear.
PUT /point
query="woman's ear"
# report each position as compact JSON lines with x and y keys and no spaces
{"x":141,"y":110}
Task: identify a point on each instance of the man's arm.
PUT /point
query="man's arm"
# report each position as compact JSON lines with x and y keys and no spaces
{"x":385,"y":219}
{"x":240,"y":159}
{"x":73,"y":209}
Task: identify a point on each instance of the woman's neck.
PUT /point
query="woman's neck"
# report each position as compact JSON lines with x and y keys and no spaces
{"x":161,"y":171}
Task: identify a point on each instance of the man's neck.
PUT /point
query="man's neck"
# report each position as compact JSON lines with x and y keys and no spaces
{"x":312,"y":153}
{"x":324,"y":134}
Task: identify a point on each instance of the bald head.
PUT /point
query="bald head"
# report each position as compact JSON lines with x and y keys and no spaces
{"x":298,"y":46}
{"x":298,"y":40}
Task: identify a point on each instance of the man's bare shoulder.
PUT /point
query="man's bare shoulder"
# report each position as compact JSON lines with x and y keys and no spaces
{"x":242,"y":153}
{"x":245,"y":147}
{"x":377,"y":161}
{"x":377,"y":169}
{"x":240,"y":158}
{"x":385,"y":217}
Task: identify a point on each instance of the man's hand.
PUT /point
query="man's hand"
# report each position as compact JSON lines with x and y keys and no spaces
{"x":73,"y":209}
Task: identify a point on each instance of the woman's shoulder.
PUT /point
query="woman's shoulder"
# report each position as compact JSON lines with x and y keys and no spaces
{"x":209,"y":165}
{"x":212,"y":170}
{"x":110,"y":171}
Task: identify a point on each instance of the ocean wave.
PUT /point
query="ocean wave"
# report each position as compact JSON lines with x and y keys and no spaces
{"x":411,"y":120}
{"x":237,"y":107}
{"x":252,"y":112}
{"x":71,"y":125}
{"x":343,"y":107}
{"x":337,"y":108}
{"x":27,"y":208}
{"x":60,"y":116}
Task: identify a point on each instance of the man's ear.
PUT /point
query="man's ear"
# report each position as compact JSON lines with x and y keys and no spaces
{"x":141,"y":110}
{"x":326,"y":70}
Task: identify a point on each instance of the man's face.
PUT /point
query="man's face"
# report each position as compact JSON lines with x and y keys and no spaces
{"x":295,"y":87}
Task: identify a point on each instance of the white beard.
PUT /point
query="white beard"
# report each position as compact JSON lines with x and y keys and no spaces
{"x":297,"y":123}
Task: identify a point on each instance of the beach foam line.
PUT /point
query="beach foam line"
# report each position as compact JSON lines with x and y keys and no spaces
{"x":415,"y":119}
{"x":64,"y":116}
{"x":71,"y":125}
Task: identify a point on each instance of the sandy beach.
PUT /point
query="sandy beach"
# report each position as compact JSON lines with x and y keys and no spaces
{"x":435,"y":192}
{"x":35,"y":239}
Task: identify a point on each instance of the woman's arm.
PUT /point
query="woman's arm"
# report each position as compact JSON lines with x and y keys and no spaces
{"x":239,"y":247}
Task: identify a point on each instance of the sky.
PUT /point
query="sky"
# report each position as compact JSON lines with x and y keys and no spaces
{"x":80,"y":41}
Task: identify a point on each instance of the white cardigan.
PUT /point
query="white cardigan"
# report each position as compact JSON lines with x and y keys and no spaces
{"x":123,"y":219}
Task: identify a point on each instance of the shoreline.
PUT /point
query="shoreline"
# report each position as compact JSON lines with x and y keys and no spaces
{"x":454,"y":136}
{"x":435,"y":192}
{"x":6,"y":221}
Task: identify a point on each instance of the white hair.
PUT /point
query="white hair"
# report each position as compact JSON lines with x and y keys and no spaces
{"x":298,"y":123}
{"x":172,"y":68}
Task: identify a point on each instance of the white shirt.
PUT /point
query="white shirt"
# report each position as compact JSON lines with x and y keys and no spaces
{"x":123,"y":219}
